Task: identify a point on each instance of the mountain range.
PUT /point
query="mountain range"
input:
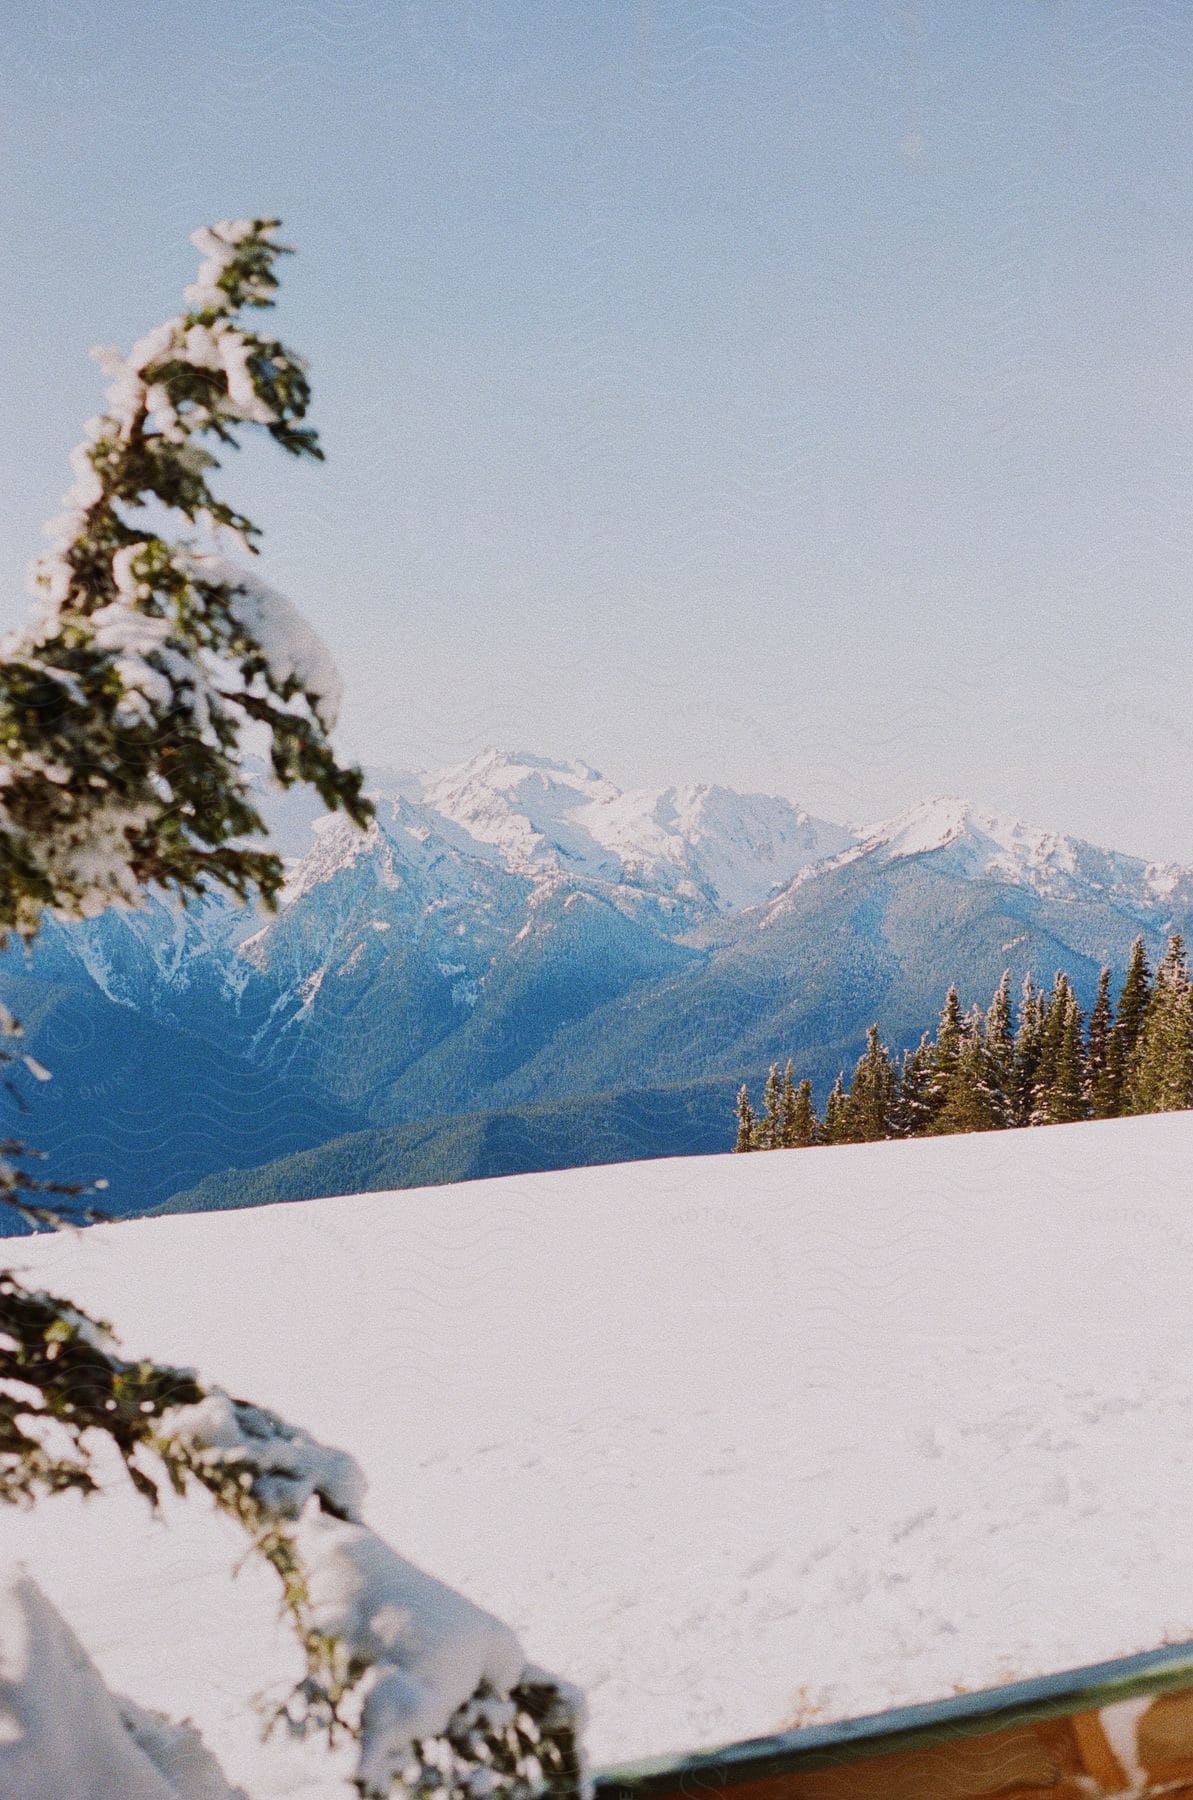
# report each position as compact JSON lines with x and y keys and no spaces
{"x":520,"y":966}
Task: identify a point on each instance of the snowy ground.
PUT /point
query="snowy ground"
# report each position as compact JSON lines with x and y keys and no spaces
{"x":733,"y":1442}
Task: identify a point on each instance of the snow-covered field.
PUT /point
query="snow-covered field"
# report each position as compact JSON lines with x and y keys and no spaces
{"x":733,"y":1442}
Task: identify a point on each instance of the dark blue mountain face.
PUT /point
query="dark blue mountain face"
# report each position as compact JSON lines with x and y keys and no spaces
{"x":454,"y":993}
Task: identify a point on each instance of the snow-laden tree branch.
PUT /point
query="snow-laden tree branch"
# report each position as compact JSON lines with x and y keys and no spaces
{"x":123,"y":707}
{"x":124,"y":702}
{"x":437,"y":1692}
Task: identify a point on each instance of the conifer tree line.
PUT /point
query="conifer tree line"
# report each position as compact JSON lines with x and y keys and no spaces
{"x":1040,"y":1063}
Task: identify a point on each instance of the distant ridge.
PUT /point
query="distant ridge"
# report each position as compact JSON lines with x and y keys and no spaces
{"x":517,"y":933}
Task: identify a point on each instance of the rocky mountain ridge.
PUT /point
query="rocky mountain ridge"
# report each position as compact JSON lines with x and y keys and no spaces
{"x":518,"y":932}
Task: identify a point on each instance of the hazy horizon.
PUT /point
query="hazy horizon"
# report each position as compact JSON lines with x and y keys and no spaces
{"x":794,"y":398}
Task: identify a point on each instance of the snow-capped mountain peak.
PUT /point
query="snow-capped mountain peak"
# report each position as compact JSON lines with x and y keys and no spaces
{"x":337,"y":843}
{"x":995,"y":839}
{"x":527,"y":811}
{"x":733,"y":849}
{"x":703,"y":845}
{"x":972,"y":843}
{"x":698,"y":842}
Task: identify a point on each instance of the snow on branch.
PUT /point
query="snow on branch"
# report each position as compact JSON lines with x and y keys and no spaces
{"x":124,"y":701}
{"x":292,"y":655}
{"x":436,"y":1692}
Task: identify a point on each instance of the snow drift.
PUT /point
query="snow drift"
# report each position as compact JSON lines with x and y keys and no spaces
{"x":62,"y":1732}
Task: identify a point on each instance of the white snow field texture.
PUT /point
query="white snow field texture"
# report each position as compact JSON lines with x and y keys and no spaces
{"x":732,"y":1442}
{"x":62,"y":1733}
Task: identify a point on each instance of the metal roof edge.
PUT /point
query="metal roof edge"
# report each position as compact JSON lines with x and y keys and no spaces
{"x":1084,"y":1689}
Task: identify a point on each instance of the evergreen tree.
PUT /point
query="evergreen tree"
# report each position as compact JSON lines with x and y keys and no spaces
{"x":999,"y":1071}
{"x":1058,"y":1092}
{"x":969,"y":1104}
{"x":124,"y":705}
{"x":123,"y":711}
{"x":1134,"y":999}
{"x":870,"y":1109}
{"x":1160,"y":1073}
{"x":875,"y":1091}
{"x":913,"y":1108}
{"x":1026,"y":1060}
{"x":835,"y":1111}
{"x":946,"y":1053}
{"x":1129,"y":1015}
{"x":770,"y":1124}
{"x":1112,"y":1093}
{"x":788,"y":1103}
{"x":745,"y":1120}
{"x":805,"y":1127}
{"x":1067,"y":1098}
{"x":1052,"y":1029}
{"x":1100,"y":1070}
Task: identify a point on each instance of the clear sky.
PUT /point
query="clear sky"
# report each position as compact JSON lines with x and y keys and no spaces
{"x":793,"y":394}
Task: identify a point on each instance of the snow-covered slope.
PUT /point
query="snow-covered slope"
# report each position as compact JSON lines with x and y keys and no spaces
{"x":733,"y":1441}
{"x":66,"y":1737}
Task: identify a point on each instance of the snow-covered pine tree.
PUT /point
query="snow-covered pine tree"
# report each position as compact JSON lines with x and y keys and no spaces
{"x":787,"y":1107}
{"x":869,"y":1113}
{"x":1114,"y":1082}
{"x":1028,"y":1036}
{"x":1058,"y":1090}
{"x":769,"y":1129}
{"x":1132,"y":1005}
{"x":124,"y":704}
{"x":1124,"y":1033}
{"x":1099,"y":1070}
{"x":913,"y":1106}
{"x":805,"y":1126}
{"x":999,"y":1040}
{"x":969,"y":1104}
{"x":123,"y":710}
{"x":746,"y":1121}
{"x":1052,"y":1019}
{"x":835,"y":1108}
{"x":946,"y":1052}
{"x":1067,"y":1100}
{"x":1160,"y":1073}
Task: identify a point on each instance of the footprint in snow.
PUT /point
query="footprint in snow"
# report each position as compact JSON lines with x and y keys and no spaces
{"x":911,"y":1524}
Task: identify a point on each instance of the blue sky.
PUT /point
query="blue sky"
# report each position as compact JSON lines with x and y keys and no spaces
{"x":794,"y":395}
